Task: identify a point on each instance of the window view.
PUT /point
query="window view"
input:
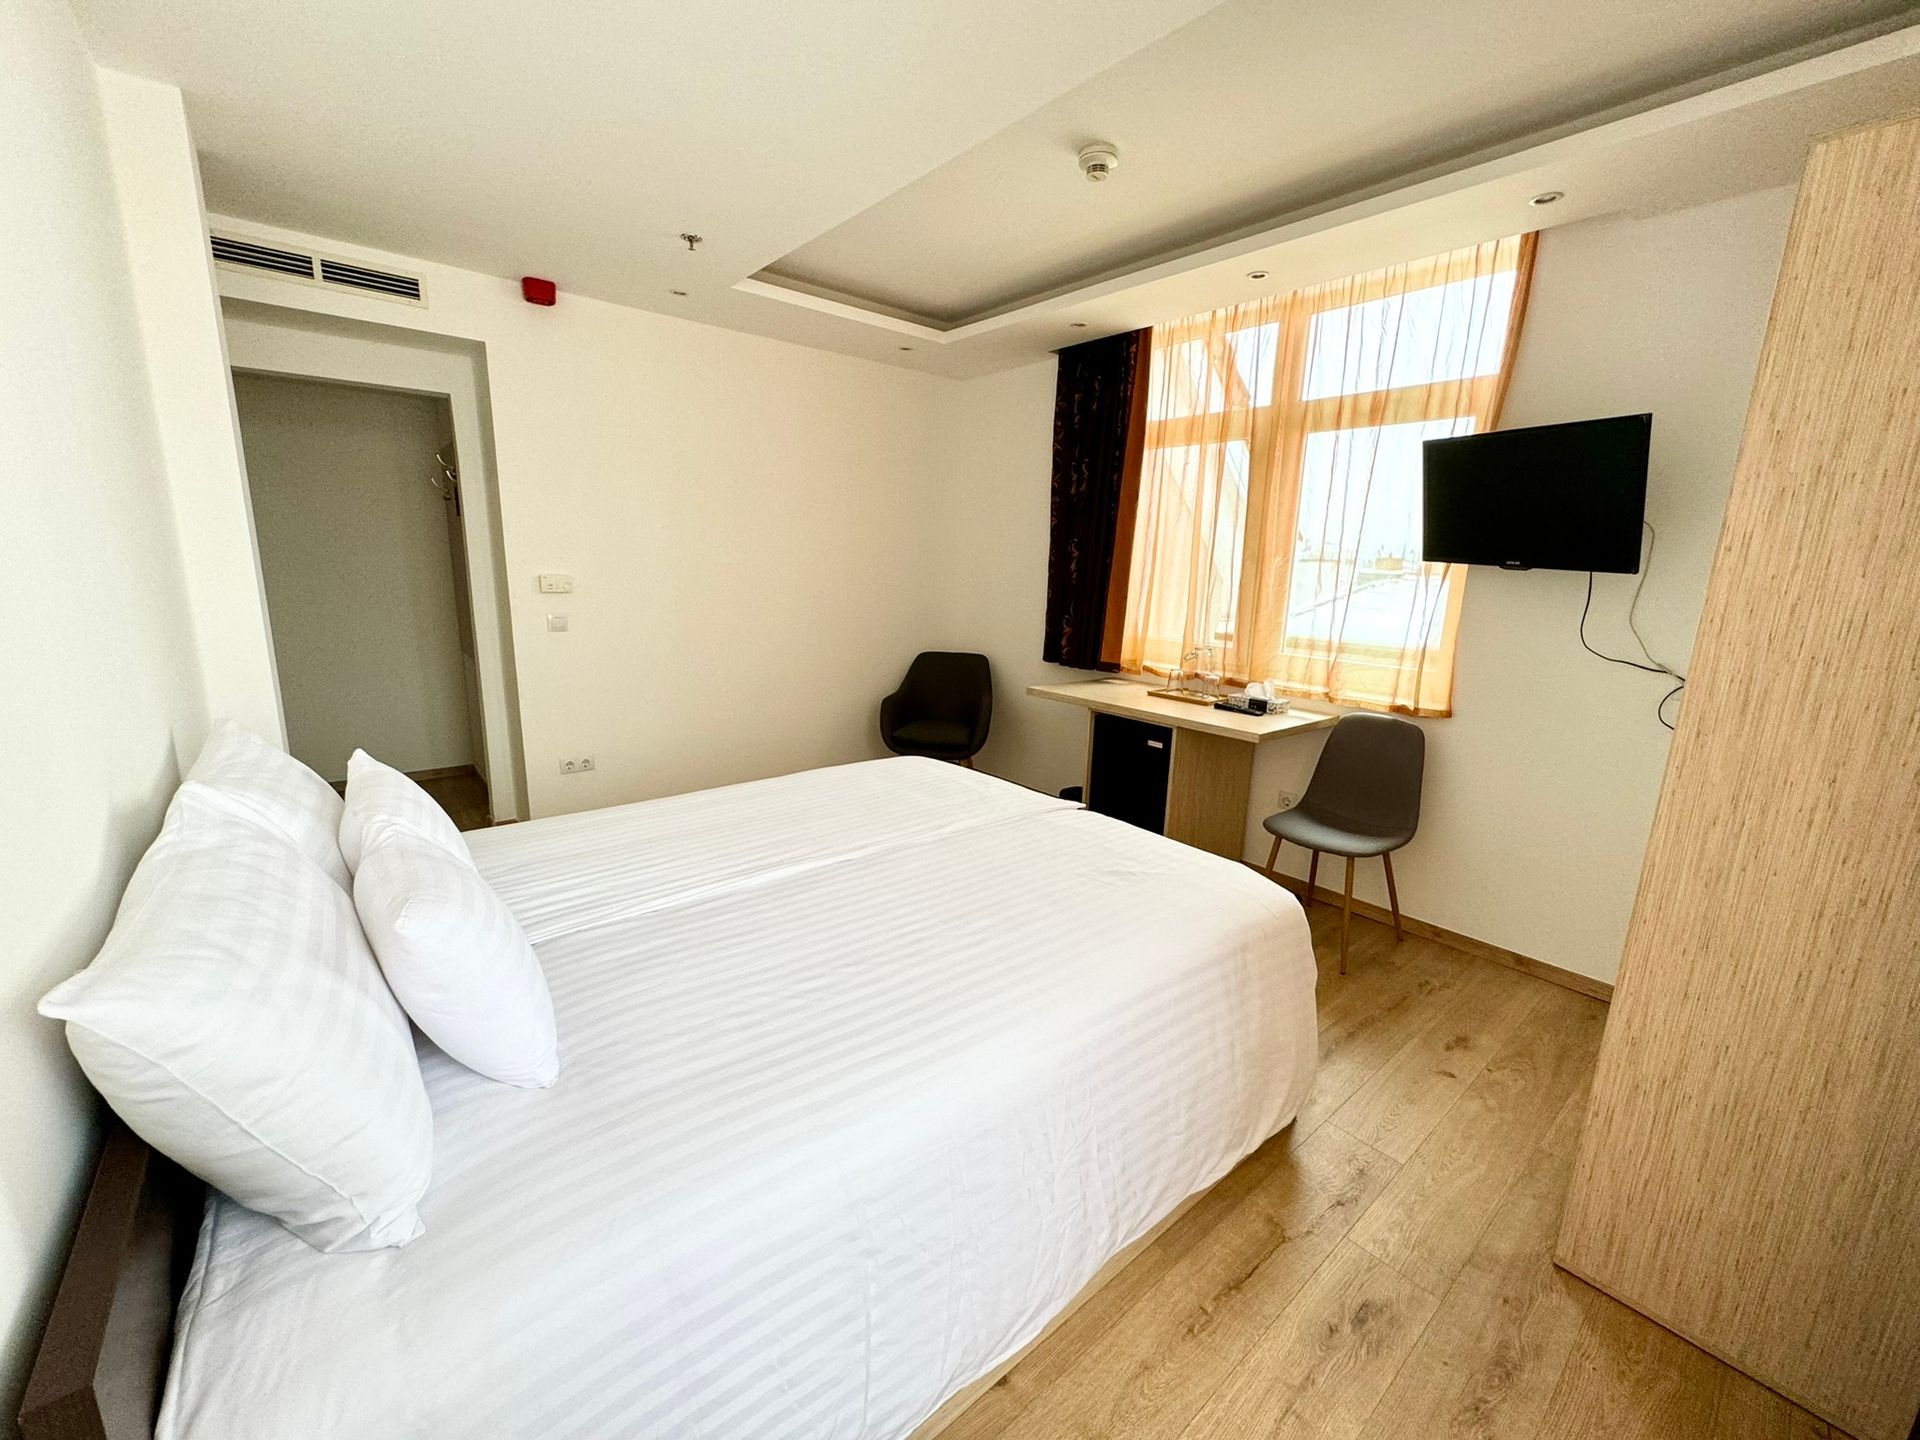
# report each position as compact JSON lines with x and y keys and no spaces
{"x":1444,"y":332}
{"x":1279,"y":518}
{"x":1356,"y":556}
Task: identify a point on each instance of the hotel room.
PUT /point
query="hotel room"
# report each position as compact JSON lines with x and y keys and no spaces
{"x":1163,"y":718}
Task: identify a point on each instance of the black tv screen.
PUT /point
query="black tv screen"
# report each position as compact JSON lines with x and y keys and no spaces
{"x":1550,"y":497}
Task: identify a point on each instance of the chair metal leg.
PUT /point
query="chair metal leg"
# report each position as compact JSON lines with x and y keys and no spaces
{"x":1346,"y":916}
{"x":1393,"y":898}
{"x":1313,"y":878}
{"x":1273,"y":855}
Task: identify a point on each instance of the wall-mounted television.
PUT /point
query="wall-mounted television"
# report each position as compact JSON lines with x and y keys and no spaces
{"x":1548,"y":497}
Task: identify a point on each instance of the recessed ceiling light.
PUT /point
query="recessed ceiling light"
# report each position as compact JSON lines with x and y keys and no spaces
{"x":1256,"y":274}
{"x":1078,"y":324}
{"x":906,"y":347}
{"x":1547,"y":197}
{"x":676,"y":292}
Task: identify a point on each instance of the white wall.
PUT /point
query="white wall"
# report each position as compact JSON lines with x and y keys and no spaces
{"x":997,"y":437}
{"x":355,"y":547}
{"x":747,"y":521}
{"x":102,"y":695}
{"x":177,"y":309}
{"x":1541,"y":785}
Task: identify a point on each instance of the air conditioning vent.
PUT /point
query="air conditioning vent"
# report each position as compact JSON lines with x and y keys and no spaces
{"x":262,"y":257}
{"x":401,"y":287}
{"x":318,"y":269}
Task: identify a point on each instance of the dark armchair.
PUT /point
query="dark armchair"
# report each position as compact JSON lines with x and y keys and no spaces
{"x":942,"y":709}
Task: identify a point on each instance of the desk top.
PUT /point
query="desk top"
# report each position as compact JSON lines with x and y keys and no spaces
{"x":1130,"y":698}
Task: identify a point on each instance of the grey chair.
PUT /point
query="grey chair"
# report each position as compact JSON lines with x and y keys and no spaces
{"x":1364,"y":799}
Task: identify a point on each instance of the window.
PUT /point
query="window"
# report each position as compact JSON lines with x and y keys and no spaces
{"x":1278,"y":524}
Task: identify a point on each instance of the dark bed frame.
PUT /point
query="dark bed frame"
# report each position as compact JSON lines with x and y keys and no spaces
{"x":103,"y":1355}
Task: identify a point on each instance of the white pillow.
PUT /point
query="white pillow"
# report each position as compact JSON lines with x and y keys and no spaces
{"x":455,"y":956}
{"x":236,"y":1019}
{"x":270,"y":787}
{"x":376,"y":789}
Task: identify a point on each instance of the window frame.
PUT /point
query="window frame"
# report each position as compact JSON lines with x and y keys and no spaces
{"x":1240,"y":419}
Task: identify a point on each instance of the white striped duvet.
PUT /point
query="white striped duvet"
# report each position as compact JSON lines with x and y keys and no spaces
{"x":866,"y":1072}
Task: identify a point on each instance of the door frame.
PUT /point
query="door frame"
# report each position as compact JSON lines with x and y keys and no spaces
{"x":299,"y":344}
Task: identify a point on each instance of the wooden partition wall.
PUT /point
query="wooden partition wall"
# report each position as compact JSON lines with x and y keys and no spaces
{"x":1750,"y":1171}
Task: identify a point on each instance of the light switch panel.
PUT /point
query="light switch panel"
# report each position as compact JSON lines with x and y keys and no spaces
{"x":556,"y":584}
{"x":556,"y":622}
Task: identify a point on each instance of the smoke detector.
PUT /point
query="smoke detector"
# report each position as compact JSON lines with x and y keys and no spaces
{"x":1098,"y":160}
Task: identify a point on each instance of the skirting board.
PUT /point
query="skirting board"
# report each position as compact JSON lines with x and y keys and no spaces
{"x":1512,"y":959}
{"x":958,"y":1402}
{"x":442,"y":772}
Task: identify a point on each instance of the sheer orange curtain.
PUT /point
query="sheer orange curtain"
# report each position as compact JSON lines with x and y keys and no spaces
{"x":1277,"y":535}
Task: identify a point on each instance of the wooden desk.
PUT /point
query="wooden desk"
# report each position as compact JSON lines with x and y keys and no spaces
{"x":1180,"y":769}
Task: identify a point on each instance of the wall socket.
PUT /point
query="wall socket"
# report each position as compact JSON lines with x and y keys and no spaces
{"x":1288,"y":799}
{"x":574,"y":767}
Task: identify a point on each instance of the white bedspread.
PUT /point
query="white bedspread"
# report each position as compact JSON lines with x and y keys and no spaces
{"x":866,"y":1072}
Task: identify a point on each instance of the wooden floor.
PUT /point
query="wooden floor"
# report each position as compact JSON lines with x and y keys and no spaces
{"x":463,"y":796}
{"x":1381,"y":1269}
{"x":461,"y":793}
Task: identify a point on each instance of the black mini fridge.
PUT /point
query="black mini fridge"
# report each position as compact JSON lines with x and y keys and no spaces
{"x":1128,"y":770}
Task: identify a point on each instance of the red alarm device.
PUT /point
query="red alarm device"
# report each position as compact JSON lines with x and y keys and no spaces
{"x":536,"y":290}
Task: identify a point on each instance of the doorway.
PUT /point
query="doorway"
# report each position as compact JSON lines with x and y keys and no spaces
{"x":358,"y":515}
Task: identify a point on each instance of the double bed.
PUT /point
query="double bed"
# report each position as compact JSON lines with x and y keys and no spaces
{"x":868,"y":1072}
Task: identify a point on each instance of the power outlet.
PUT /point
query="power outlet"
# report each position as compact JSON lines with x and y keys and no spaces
{"x":575,"y":767}
{"x":1288,"y":800}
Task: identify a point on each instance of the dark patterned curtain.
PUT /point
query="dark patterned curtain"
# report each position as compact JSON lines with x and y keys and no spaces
{"x":1099,"y":428}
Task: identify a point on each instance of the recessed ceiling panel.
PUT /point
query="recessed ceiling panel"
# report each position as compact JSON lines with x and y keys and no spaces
{"x":1257,"y":109}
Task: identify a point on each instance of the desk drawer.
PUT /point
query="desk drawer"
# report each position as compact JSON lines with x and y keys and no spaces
{"x":1128,"y":775}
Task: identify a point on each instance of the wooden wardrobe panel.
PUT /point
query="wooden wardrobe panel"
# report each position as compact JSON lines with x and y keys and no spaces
{"x":1750,"y":1171}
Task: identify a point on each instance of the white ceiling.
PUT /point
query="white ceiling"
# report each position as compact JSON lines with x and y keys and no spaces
{"x":1259,"y":108}
{"x":913,"y":163}
{"x":577,"y":141}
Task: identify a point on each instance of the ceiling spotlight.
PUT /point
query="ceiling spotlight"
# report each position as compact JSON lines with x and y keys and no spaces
{"x":681,"y":293}
{"x":905,"y":348}
{"x":1078,"y":324}
{"x":1547,"y":197}
{"x":1099,"y":160}
{"x":1256,"y":274}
